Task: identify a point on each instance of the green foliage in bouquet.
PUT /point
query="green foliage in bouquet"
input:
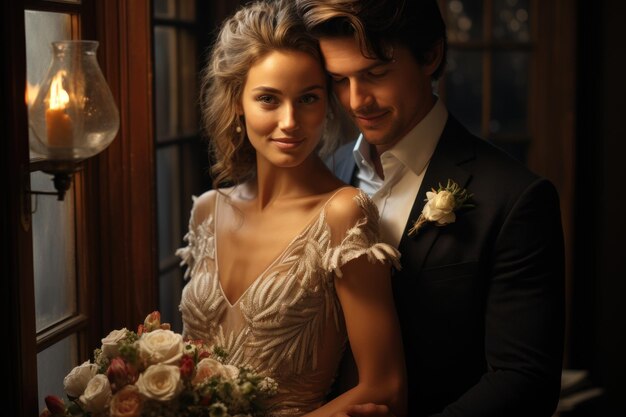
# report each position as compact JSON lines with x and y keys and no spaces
{"x":155,"y":373}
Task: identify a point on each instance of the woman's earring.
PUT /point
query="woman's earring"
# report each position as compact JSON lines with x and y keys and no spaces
{"x":238,"y":129}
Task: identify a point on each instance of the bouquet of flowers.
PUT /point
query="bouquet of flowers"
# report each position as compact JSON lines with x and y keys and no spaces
{"x":153,"y":372}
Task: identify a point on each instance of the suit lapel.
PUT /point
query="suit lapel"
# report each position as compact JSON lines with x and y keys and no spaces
{"x":445,"y":164}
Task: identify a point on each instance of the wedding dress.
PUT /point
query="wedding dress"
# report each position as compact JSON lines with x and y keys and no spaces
{"x":288,"y":324}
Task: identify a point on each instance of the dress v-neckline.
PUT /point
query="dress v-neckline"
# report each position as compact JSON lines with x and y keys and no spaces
{"x":281,"y":254}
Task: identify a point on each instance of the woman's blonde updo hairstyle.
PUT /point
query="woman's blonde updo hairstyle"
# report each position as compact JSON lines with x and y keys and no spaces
{"x":250,"y":34}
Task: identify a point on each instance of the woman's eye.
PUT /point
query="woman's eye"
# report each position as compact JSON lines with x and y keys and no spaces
{"x":266,"y":99}
{"x":338,"y":80}
{"x":309,"y":99}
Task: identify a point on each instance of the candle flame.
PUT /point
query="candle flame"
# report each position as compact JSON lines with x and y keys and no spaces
{"x":58,"y":96}
{"x":31,"y":93}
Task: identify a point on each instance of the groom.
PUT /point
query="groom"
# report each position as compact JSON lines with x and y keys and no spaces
{"x":480,"y":299}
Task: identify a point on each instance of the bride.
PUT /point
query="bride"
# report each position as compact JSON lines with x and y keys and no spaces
{"x":284,"y":260}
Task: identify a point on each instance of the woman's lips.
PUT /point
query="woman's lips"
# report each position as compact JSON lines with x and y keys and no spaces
{"x":287,"y":143}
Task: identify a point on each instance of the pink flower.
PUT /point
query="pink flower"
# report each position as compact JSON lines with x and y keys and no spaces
{"x":198,"y":348}
{"x":209,"y":367}
{"x":187,"y":367}
{"x":152,"y":321}
{"x":127,"y":402}
{"x":120,"y":374}
{"x":203,"y":355}
{"x":55,"y":405}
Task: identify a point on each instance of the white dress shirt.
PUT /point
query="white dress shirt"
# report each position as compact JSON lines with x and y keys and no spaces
{"x":404,"y":166}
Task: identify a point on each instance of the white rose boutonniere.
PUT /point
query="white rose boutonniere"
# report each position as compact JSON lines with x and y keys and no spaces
{"x":441,"y":206}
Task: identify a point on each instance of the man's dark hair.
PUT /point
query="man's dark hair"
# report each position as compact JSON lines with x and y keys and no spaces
{"x":379,"y":24}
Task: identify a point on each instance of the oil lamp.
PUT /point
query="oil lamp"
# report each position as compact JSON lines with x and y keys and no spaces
{"x":74,"y":115}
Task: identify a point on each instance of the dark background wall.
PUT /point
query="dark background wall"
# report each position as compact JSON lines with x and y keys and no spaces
{"x":599,"y":287}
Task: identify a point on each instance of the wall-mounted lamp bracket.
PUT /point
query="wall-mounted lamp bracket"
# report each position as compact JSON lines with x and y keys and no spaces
{"x":62,"y":172}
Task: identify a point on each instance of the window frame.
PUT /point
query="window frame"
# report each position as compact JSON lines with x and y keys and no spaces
{"x":116,"y":249}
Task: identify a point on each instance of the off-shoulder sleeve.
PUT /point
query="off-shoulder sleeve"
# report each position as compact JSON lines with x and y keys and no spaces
{"x":363,"y":238}
{"x":200,"y":238}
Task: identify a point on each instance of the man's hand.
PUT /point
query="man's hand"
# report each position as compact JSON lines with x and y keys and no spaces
{"x":365,"y":410}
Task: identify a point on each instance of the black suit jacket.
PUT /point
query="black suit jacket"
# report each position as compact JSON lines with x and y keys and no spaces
{"x":480,"y":300}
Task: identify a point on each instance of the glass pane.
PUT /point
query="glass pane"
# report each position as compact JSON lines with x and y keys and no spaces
{"x":42,"y":28}
{"x":168,"y":198}
{"x":510,"y":89}
{"x":170,"y":290}
{"x":510,"y":21}
{"x":52,"y":221}
{"x":54,"y":254}
{"x":464,"y":20}
{"x":165,"y":9}
{"x":53,"y":364}
{"x":166,"y":76}
{"x":187,"y":10}
{"x":464,"y":88}
{"x":195,"y":170}
{"x":189,"y":81}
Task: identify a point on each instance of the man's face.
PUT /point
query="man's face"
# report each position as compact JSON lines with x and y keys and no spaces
{"x":385,"y":99}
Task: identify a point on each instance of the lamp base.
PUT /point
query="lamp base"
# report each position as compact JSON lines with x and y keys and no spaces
{"x":62,"y":182}
{"x":62,"y":172}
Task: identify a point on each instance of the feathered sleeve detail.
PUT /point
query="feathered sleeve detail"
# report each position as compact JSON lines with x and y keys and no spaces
{"x":361,"y":239}
{"x":200,"y":241}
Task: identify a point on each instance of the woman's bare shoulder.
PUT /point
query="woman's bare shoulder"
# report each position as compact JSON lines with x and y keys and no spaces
{"x":344,"y":208}
{"x":204,"y":206}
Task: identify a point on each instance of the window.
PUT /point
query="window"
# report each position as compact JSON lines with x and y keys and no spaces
{"x":54,"y":243}
{"x":59,"y":320}
{"x":511,"y":80}
{"x":181,"y":155}
{"x":183,"y":31}
{"x":74,"y":270}
{"x":488,"y":71}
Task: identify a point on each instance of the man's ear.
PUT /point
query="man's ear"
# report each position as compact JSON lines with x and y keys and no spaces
{"x":433,"y":58}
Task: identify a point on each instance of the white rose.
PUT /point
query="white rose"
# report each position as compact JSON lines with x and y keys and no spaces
{"x":209,"y":367}
{"x":97,"y":394}
{"x":111,"y":343}
{"x":76,"y":381}
{"x":230,"y":371}
{"x":160,"y":382}
{"x":161,"y":346}
{"x":440,"y":207}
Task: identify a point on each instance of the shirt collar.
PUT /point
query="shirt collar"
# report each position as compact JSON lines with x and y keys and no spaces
{"x":362,"y":157}
{"x":416,"y":148}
